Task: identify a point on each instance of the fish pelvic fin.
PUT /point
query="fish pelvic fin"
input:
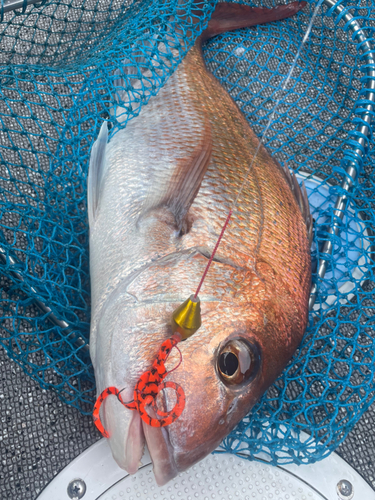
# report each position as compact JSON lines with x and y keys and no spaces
{"x":233,"y":16}
{"x":179,"y":191}
{"x":96,"y":172}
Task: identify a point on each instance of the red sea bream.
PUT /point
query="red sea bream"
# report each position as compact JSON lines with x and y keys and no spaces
{"x":159,"y":193}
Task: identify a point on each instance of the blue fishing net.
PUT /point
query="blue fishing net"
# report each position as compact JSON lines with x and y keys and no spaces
{"x":58,"y":78}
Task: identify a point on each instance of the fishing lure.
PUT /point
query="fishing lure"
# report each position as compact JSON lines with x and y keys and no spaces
{"x":146,"y":391}
{"x":186,"y":320}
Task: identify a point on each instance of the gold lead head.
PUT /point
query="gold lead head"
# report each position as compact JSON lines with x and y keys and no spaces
{"x":186,"y":319}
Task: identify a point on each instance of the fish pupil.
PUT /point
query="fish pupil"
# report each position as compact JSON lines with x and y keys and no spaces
{"x":228,"y":363}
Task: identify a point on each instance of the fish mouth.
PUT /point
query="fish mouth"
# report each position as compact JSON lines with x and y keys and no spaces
{"x":128,"y":447}
{"x":159,"y":445}
{"x":126,"y":436}
{"x":161,"y":453}
{"x":169,"y":459}
{"x":175,"y":448}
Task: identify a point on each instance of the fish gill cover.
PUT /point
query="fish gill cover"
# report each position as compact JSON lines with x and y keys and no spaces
{"x":58,"y":81}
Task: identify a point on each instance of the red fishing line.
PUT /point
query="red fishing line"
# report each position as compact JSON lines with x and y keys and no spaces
{"x":213,"y":253}
{"x":146,"y":391}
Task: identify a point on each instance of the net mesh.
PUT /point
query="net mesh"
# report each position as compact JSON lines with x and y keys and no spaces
{"x":58,"y":72}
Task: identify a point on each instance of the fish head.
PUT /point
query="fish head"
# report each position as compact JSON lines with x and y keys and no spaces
{"x":245,"y":341}
{"x":249,"y":332}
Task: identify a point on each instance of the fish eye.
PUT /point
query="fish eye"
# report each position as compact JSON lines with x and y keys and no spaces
{"x":228,"y":363}
{"x":238,"y":362}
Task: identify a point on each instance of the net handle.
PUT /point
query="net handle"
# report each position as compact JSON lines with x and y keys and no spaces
{"x":354,"y":157}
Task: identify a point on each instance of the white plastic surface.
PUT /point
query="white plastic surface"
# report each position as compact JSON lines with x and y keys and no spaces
{"x":217,"y":477}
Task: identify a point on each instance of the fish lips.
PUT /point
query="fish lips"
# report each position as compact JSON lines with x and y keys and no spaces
{"x":211,"y":412}
{"x":168,"y":457}
{"x":169,"y":462}
{"x":173,"y":448}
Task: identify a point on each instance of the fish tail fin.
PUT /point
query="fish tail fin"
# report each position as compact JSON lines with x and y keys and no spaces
{"x":136,"y":75}
{"x":233,"y":16}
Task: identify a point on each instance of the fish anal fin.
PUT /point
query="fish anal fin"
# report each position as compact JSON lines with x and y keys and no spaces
{"x":178,"y":193}
{"x":233,"y":16}
{"x":96,"y":172}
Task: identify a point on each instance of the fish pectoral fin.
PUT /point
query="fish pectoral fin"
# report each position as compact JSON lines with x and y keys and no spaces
{"x":96,"y":173}
{"x":179,"y":191}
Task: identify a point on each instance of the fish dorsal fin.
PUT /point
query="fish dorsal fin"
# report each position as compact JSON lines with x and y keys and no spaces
{"x":96,"y":172}
{"x":300,"y":195}
{"x":233,"y":16}
{"x":179,"y":192}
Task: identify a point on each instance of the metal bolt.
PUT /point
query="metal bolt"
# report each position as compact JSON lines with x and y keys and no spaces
{"x":345,"y":489}
{"x":76,"y":489}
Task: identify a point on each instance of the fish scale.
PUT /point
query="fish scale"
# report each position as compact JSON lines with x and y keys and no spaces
{"x":265,"y":187}
{"x":159,"y":194}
